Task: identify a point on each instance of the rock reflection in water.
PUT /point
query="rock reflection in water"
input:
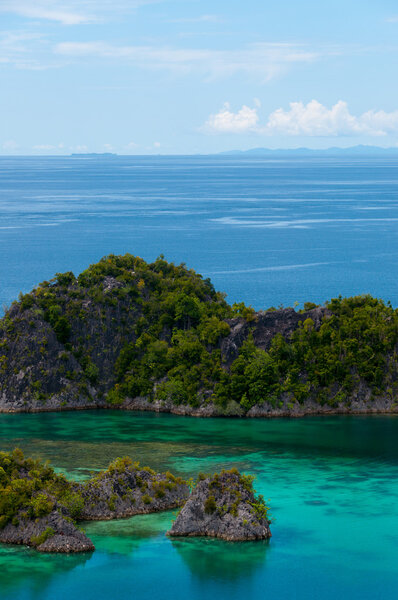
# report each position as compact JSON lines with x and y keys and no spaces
{"x":209,"y":558}
{"x":42,"y":570}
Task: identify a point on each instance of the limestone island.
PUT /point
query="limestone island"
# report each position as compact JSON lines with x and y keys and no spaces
{"x":40,"y":508}
{"x":133,"y":335}
{"x":224,"y":506}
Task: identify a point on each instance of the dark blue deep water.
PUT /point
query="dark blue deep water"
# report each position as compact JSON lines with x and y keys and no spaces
{"x":268,"y":232}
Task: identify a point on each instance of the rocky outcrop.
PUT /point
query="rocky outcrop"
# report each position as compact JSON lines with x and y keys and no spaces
{"x":264,"y":326}
{"x":40,"y":508}
{"x":125,"y":490}
{"x":126,"y":334}
{"x":224,"y":506}
{"x":61,"y":346}
{"x":51,"y":533}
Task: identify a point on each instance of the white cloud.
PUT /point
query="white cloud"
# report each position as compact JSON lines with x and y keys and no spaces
{"x":10,"y":145}
{"x":156,"y":144}
{"x":225,"y":121}
{"x":315,"y":119}
{"x":200,"y":19}
{"x":48,"y":10}
{"x":263,"y":61}
{"x":71,"y":12}
{"x":42,"y":147}
{"x":306,"y":120}
{"x":13,"y":43}
{"x":24,"y":50}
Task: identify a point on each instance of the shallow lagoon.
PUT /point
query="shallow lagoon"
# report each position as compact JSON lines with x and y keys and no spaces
{"x":332,"y":484}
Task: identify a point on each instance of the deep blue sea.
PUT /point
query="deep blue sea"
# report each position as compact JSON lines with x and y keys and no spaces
{"x":268,"y":232}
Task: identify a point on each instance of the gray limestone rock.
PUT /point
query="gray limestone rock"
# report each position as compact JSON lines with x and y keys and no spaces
{"x":224,"y":506}
{"x":52,"y":533}
{"x":125,"y":490}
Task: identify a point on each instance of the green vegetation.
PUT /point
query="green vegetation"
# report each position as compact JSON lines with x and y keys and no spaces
{"x":36,"y":540}
{"x":128,"y":327}
{"x":210,"y":505}
{"x":228,"y":482}
{"x":355,"y":343}
{"x":174,"y":354}
{"x":125,"y":464}
{"x":30,"y":487}
{"x":125,"y":328}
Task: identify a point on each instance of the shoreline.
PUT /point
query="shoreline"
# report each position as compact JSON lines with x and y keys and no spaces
{"x":210,"y":411}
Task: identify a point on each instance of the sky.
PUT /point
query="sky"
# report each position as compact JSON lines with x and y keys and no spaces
{"x":194,"y":76}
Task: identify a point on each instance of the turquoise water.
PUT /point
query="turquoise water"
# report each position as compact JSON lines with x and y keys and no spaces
{"x":333,"y":489}
{"x":266,"y":231}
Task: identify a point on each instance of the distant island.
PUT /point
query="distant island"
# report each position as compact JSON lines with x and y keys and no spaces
{"x":157,"y":336}
{"x":354,"y":151}
{"x":360,"y":151}
{"x":93,"y":154}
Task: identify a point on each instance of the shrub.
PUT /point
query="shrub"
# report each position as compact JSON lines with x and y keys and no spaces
{"x":65,"y":279}
{"x":62,"y":329}
{"x":74,"y":503}
{"x":41,"y":505}
{"x":37,"y":540}
{"x":210,"y":505}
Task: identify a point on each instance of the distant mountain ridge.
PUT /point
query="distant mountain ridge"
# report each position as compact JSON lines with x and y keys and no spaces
{"x":360,"y":150}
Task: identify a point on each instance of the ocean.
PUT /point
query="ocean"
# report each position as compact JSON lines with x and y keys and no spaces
{"x":268,"y":232}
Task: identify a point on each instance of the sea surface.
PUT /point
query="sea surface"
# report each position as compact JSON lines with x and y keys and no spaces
{"x":266,"y":231}
{"x":332,"y":484}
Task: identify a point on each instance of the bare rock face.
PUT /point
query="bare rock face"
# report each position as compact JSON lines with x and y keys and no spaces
{"x":125,"y":490}
{"x":224,"y":506}
{"x":264,"y":327}
{"x":52,"y":533}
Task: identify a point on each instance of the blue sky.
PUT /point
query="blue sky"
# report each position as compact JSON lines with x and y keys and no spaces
{"x":187,"y":76}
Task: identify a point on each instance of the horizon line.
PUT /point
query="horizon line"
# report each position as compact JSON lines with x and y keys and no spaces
{"x":256,"y":150}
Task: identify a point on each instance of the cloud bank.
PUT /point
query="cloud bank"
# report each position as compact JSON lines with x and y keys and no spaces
{"x":264,"y":61}
{"x":309,"y":120}
{"x":225,"y":121}
{"x":71,"y":12}
{"x":45,"y":10}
